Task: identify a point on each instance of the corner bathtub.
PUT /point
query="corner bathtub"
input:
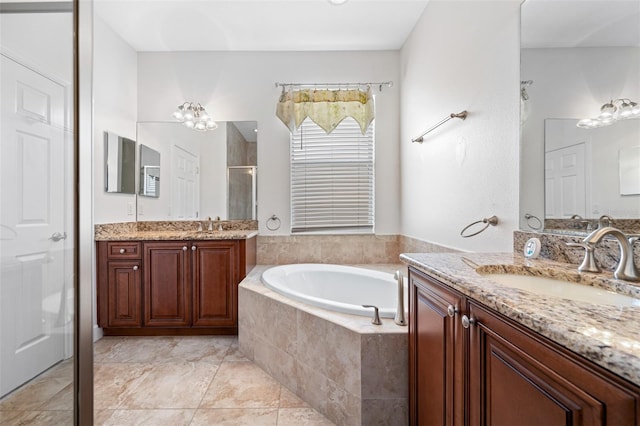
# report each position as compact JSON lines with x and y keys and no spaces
{"x":353,"y":372}
{"x":336,"y":287}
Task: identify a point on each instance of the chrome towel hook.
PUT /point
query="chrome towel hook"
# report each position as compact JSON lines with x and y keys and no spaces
{"x":493,"y":221}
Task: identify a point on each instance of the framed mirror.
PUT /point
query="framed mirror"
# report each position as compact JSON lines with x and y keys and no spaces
{"x":120,"y":164}
{"x":204,"y":174}
{"x":577,"y":56}
{"x":149,"y":172}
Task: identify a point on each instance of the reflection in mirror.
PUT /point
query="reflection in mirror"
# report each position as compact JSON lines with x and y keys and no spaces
{"x":119,"y":168}
{"x":582,"y":170}
{"x":195,"y":171}
{"x":149,"y":172}
{"x":575,"y":57}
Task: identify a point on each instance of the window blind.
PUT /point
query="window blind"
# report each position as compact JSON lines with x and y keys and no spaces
{"x":332,"y":178}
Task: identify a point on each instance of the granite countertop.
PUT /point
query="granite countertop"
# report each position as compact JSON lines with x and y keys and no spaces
{"x":233,"y":234}
{"x":605,"y":334}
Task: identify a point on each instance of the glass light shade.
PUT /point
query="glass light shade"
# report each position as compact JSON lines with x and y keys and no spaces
{"x":178,"y":115}
{"x":200,"y":126}
{"x":626,"y":110}
{"x":607,"y":110}
{"x":635,"y":108}
{"x":188,"y":116}
{"x":587,"y":123}
{"x":189,"y":123}
{"x":211,"y":125}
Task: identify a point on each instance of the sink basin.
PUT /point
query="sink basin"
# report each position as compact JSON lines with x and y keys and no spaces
{"x":565,"y":289}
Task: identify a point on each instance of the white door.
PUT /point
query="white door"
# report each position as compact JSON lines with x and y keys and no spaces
{"x":186,"y":184}
{"x":32,"y":182}
{"x":565,"y":189}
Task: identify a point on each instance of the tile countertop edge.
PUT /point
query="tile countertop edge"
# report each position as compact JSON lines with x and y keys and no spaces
{"x":178,"y":235}
{"x":606,"y":335}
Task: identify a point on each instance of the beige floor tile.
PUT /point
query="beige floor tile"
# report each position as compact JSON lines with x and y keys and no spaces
{"x":38,"y":418}
{"x":113,"y":381}
{"x":210,"y":349}
{"x":236,"y":417}
{"x":137,"y":350}
{"x":144,"y":417}
{"x":302,"y":416}
{"x":63,"y":400}
{"x":34,"y":394}
{"x":289,"y":399}
{"x":170,"y":386}
{"x":234,"y":353}
{"x":242,"y":385}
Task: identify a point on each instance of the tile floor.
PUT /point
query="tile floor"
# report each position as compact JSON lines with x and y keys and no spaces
{"x":199,"y":380}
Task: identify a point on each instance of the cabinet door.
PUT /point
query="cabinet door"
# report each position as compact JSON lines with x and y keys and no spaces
{"x":436,"y":348}
{"x":215,"y":266}
{"x":123,"y":294}
{"x":518,"y":377}
{"x":167,"y":292}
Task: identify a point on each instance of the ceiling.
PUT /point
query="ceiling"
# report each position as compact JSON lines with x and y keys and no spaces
{"x":261,"y":25}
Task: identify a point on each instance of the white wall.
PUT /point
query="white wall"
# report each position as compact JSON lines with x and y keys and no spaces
{"x":236,"y":86}
{"x":462,"y":55}
{"x":570,"y":83}
{"x":115,"y":108}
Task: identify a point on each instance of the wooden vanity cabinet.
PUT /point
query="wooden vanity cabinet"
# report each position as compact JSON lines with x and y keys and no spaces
{"x":436,"y":349}
{"x":176,"y":287}
{"x":498,"y":372}
{"x":167,"y":287}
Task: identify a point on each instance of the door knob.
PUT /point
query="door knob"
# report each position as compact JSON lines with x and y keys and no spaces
{"x":466,"y":321}
{"x":193,"y":248}
{"x":184,"y":248}
{"x":56,"y":236}
{"x":135,"y":268}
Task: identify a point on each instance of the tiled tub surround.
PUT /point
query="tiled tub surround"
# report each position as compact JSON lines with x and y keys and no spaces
{"x":340,"y":249}
{"x":554,"y":247}
{"x":609,"y":336}
{"x":175,"y":230}
{"x":353,"y":372}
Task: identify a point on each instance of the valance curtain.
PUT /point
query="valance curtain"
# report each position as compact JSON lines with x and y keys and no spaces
{"x":325,"y":107}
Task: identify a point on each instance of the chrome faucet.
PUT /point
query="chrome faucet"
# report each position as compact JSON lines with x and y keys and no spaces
{"x":604,"y":218}
{"x":626,"y":269}
{"x":399,"y":318}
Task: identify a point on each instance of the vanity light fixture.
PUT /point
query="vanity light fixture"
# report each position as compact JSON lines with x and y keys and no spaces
{"x":194,"y":116}
{"x":611,"y":112}
{"x":337,"y":2}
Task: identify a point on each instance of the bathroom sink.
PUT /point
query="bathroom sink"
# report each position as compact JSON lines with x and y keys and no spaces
{"x":545,"y":286}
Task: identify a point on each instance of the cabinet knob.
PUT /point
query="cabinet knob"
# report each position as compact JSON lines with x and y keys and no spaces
{"x":135,"y":268}
{"x":466,"y":321}
{"x":184,"y":248}
{"x":193,"y":248}
{"x":122,"y":251}
{"x":451,"y":310}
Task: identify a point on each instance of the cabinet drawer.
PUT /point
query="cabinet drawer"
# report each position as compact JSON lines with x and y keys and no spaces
{"x":123,"y":250}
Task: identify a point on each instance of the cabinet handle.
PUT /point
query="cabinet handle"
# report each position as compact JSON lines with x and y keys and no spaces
{"x":451,"y":310}
{"x":466,"y":321}
{"x":135,"y":268}
{"x":184,"y":248}
{"x":193,"y":248}
{"x":122,"y":251}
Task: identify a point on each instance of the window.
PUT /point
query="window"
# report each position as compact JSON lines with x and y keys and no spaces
{"x":332,"y":178}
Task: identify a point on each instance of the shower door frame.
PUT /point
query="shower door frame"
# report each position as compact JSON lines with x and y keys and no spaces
{"x":82,"y":17}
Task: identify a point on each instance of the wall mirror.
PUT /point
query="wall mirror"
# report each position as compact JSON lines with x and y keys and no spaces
{"x":149,"y":172}
{"x":575,"y":57}
{"x":204,"y":174}
{"x":119,"y":167}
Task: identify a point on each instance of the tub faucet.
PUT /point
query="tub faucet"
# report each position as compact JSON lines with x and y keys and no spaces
{"x":626,"y":269}
{"x":399,"y":319}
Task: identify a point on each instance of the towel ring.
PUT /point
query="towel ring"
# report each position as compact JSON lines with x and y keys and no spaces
{"x":529,"y":216}
{"x":276,"y":223}
{"x":493,"y":221}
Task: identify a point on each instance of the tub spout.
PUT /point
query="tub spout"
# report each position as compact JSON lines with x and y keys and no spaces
{"x":399,"y":318}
